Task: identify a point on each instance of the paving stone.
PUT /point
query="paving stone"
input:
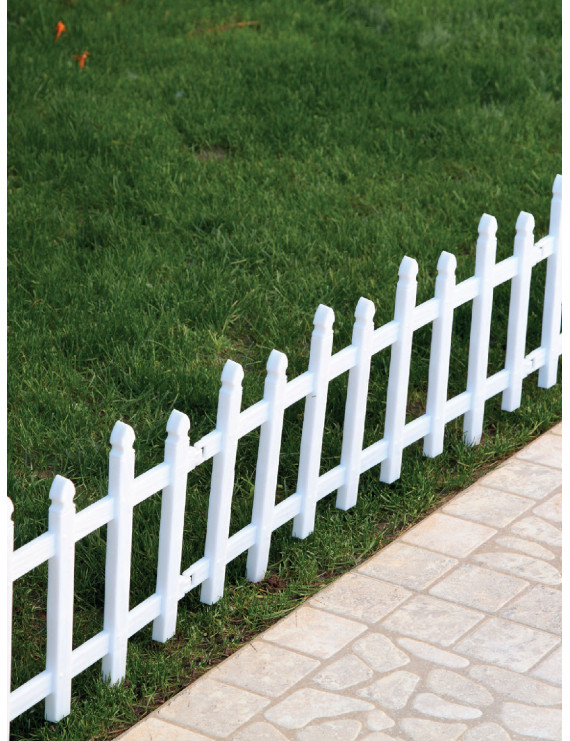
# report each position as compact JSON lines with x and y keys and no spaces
{"x":525,"y":546}
{"x":212,"y":707}
{"x":392,"y":691}
{"x":360,"y":597}
{"x":260,"y":731}
{"x":486,"y":732}
{"x":525,"y":479}
{"x":546,"y":450}
{"x":431,"y":704}
{"x":536,"y":528}
{"x":314,"y":632}
{"x":540,"y":607}
{"x":345,"y":672}
{"x":379,"y":736}
{"x":427,"y":652}
{"x":377,"y":720}
{"x":153,"y":729}
{"x":380,"y":653}
{"x":334,"y":730}
{"x":449,"y":535}
{"x":306,"y":705}
{"x":419,"y":729}
{"x":521,"y":565}
{"x":445,"y":682}
{"x":253,"y":667}
{"x":411,"y":567}
{"x":489,"y":506}
{"x":516,"y":686}
{"x":432,"y":620}
{"x":551,"y":509}
{"x":557,"y":429}
{"x":507,"y":644}
{"x":544,"y":723}
{"x":476,"y":587}
{"x":550,"y":669}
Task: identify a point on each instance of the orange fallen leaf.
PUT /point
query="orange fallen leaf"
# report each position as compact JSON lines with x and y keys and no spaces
{"x":82,"y":58}
{"x":59,"y":29}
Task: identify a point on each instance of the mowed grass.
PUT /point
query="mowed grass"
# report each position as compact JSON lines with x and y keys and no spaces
{"x":191,"y":196}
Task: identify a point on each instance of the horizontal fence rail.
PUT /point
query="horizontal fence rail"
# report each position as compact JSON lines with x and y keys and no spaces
{"x":126,"y":491}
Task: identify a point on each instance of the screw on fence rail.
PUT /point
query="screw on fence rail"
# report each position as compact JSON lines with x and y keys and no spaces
{"x":176,"y":455}
{"x":518,"y":312}
{"x":119,"y":547}
{"x":480,"y":329}
{"x":399,"y":374}
{"x":440,"y":353}
{"x":223,"y":474}
{"x":552,"y":311}
{"x":60,"y":598}
{"x":314,"y":421}
{"x":355,"y":408}
{"x":8,"y":592}
{"x":267,"y":466}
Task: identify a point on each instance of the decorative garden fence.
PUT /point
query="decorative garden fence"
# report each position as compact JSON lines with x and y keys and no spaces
{"x":66,"y":527}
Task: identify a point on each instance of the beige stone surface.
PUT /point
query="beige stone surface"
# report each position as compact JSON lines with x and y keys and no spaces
{"x":451,"y":536}
{"x":550,"y":669}
{"x":523,"y":478}
{"x":477,"y":587}
{"x":410,"y":567}
{"x":153,"y":729}
{"x":306,"y":705}
{"x":488,"y":506}
{"x":540,"y":607}
{"x":529,"y":720}
{"x":430,"y":653}
{"x":551,"y":509}
{"x":546,"y":450}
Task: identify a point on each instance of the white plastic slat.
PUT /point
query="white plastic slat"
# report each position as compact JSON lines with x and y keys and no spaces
{"x":384,"y":336}
{"x":342,"y":361}
{"x":144,"y":613}
{"x":267,"y":466}
{"x":7,"y":591}
{"x":331,"y":480}
{"x":298,"y":388}
{"x":373,"y":454}
{"x":416,"y":429}
{"x":150,"y":482}
{"x":30,"y":693}
{"x":240,"y":542}
{"x":93,"y":517}
{"x":221,"y":490}
{"x":425,"y":313}
{"x":34,"y":553}
{"x":496,"y":383}
{"x":194,"y":575}
{"x":534,"y":361}
{"x":286,"y":510}
{"x":480,"y":329}
{"x":89,"y":652}
{"x":253,"y":418}
{"x":543,"y":249}
{"x":504,"y":270}
{"x":465,"y":291}
{"x":209,"y":445}
{"x":457,"y":406}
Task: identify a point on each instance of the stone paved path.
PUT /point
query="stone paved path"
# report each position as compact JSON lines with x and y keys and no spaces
{"x":451,"y":632}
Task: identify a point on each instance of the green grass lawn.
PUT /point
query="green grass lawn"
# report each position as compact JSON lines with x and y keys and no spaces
{"x":191,"y":196}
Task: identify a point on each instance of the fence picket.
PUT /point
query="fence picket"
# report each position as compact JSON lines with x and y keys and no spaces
{"x":440,"y":353}
{"x":518,"y":312}
{"x":267,"y":466}
{"x":119,"y":546}
{"x":552,"y":310}
{"x":399,"y":373}
{"x":355,"y":408}
{"x":60,"y":599}
{"x":480,"y":329}
{"x":176,"y":451}
{"x":221,"y":491}
{"x":9,"y":530}
{"x":314,"y":421}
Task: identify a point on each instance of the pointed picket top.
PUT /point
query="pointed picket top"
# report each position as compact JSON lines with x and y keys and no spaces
{"x":557,"y":187}
{"x":324,"y":317}
{"x":232,"y":375}
{"x":365,"y":310}
{"x":277,"y":363}
{"x":525,"y":223}
{"x":178,"y":425}
{"x":62,"y":491}
{"x":447,"y":264}
{"x":487,"y":226}
{"x":408,"y":269}
{"x":122,"y":436}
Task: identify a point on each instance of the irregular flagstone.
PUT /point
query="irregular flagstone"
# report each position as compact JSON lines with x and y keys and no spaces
{"x":551,"y":509}
{"x":550,"y":669}
{"x":392,"y":691}
{"x":516,"y":686}
{"x":305,"y":705}
{"x":345,"y":672}
{"x":361,"y":597}
{"x":431,"y":704}
{"x":477,"y":587}
{"x":449,"y":535}
{"x":455,"y":685}
{"x":525,"y":546}
{"x":429,"y":730}
{"x":507,"y":644}
{"x":427,"y":652}
{"x":486,"y":732}
{"x":543,"y":723}
{"x":334,"y":730}
{"x":253,"y":667}
{"x":379,"y":736}
{"x":153,"y":729}
{"x":260,"y":731}
{"x":546,"y":450}
{"x":540,"y":607}
{"x":489,"y":506}
{"x":406,"y":565}
{"x":377,"y":720}
{"x":536,"y":528}
{"x":521,"y":565}
{"x":380,"y":653}
{"x":525,"y":479}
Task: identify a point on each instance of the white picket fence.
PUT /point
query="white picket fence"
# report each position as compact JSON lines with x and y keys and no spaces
{"x":66,"y":527}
